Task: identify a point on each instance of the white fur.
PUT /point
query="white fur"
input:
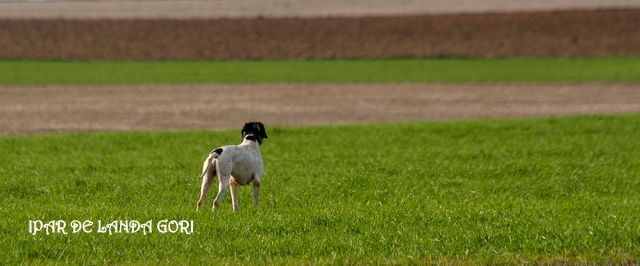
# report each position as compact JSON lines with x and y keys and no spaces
{"x":237,"y":165}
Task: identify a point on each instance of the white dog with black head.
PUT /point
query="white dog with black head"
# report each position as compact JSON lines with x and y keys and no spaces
{"x":235,"y":165}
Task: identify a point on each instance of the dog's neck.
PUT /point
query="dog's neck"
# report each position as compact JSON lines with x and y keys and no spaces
{"x":252,"y":139}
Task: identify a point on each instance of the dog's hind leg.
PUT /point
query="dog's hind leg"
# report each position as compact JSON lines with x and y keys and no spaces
{"x":208,"y":174}
{"x":222,"y":190}
{"x":206,"y":182}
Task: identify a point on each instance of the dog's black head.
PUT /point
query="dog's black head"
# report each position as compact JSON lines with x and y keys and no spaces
{"x":254,"y":131}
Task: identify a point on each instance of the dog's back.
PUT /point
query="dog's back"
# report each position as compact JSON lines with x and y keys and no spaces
{"x":243,"y":162}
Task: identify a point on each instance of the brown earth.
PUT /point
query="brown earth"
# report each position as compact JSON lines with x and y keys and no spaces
{"x":560,"y":33}
{"x":25,"y":110}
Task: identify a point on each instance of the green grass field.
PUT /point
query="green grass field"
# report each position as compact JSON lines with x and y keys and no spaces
{"x":330,"y":71}
{"x":558,"y":190}
{"x":563,"y":190}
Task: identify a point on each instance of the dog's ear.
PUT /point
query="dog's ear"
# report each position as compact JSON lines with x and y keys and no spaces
{"x":263,"y":131}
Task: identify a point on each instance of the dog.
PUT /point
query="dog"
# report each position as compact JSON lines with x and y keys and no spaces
{"x":235,"y":165}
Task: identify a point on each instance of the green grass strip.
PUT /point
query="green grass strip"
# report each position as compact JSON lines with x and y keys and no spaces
{"x":528,"y":70}
{"x":531,"y":191}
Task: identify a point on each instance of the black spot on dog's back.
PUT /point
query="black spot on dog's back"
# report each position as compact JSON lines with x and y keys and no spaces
{"x":217,"y":152}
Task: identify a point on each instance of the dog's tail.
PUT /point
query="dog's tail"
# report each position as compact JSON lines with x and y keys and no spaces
{"x":210,"y":163}
{"x":210,"y":166}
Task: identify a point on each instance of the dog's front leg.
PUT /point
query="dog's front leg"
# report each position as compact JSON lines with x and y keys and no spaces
{"x":256,"y":191}
{"x":234,"y":195}
{"x":222,"y":191}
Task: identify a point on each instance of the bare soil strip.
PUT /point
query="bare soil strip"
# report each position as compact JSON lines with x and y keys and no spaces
{"x":27,"y":110}
{"x":282,"y":8}
{"x":528,"y":34}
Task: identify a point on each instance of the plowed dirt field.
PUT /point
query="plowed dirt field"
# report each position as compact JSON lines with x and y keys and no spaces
{"x":582,"y":33}
{"x":25,"y":110}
